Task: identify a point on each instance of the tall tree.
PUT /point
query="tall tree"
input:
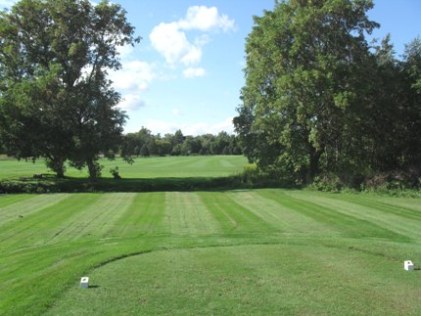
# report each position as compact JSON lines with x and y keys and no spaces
{"x":305,"y":60}
{"x":55,"y":99}
{"x":412,"y":120}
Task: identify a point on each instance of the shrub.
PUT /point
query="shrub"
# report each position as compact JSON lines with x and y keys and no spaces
{"x":328,"y":182}
{"x":115,"y":173}
{"x":250,"y":174}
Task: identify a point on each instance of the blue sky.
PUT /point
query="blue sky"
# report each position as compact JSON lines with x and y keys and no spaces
{"x":187,"y":71}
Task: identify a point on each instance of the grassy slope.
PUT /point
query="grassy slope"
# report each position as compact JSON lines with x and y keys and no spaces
{"x":234,"y":252}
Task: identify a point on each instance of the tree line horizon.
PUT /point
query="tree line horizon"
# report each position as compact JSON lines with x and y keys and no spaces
{"x":144,"y":144}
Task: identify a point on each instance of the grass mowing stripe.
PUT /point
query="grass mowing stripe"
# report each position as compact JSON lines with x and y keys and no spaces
{"x":370,"y":211}
{"x":25,"y":207}
{"x":143,"y":216}
{"x":98,"y":219}
{"x":406,"y":203}
{"x":186,"y":214}
{"x":346,"y":224}
{"x":68,"y":229}
{"x":38,"y":228}
{"x":398,"y":210}
{"x":116,"y":208}
{"x":306,"y":274}
{"x":286,"y":220}
{"x":7,"y":199}
{"x":233,"y":217}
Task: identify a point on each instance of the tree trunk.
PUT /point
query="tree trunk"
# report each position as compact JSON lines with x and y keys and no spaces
{"x":94,"y":169}
{"x":313,"y":168}
{"x":57,"y":165}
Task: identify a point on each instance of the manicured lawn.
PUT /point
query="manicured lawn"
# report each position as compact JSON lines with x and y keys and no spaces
{"x":239,"y":252}
{"x":154,"y":167}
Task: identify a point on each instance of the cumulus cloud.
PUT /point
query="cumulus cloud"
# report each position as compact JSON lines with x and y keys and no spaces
{"x":170,"y":39}
{"x":173,"y":44}
{"x":125,"y":51}
{"x":131,"y":102}
{"x":204,"y":19}
{"x":132,"y":81}
{"x":194,"y":72}
{"x":134,"y":75}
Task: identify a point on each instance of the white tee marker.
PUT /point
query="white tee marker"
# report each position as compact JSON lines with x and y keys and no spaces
{"x":408,"y":265}
{"x":84,"y":282}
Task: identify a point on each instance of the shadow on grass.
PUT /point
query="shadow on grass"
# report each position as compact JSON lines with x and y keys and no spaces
{"x":51,"y":184}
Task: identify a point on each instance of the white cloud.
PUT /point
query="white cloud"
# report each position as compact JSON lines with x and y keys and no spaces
{"x":131,"y":102}
{"x":134,"y":75}
{"x":225,"y":125}
{"x":194,"y":72}
{"x":171,"y":41}
{"x":125,"y":51}
{"x":132,"y":80}
{"x":204,"y":19}
{"x":193,"y":56}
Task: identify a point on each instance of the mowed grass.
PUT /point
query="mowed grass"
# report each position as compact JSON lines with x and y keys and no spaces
{"x":142,"y":168}
{"x":239,"y":252}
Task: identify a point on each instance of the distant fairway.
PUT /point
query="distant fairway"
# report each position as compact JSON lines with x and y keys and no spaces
{"x":239,"y":252}
{"x":153,"y":167}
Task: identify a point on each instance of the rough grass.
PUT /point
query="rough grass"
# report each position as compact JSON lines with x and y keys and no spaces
{"x":241,"y":252}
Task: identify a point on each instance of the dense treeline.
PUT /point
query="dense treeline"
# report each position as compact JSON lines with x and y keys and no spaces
{"x":322,"y":104}
{"x":144,"y":144}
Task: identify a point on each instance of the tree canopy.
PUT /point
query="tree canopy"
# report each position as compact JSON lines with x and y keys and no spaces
{"x":144,"y":144}
{"x":55,"y":99}
{"x":320,"y":100}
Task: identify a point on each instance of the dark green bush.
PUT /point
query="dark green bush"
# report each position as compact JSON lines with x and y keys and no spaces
{"x":328,"y":182}
{"x":115,"y":173}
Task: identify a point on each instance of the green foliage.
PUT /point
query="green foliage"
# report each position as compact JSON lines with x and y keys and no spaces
{"x":327,"y":183}
{"x":115,"y":173}
{"x":251,"y":174}
{"x":320,"y":104}
{"x":55,"y":99}
{"x":144,"y":144}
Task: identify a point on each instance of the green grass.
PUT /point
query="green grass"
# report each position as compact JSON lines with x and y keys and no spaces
{"x":145,"y":174}
{"x":145,"y":168}
{"x":236,"y":252}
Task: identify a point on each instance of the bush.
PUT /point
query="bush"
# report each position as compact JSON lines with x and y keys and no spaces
{"x":115,"y":173}
{"x":328,"y":182}
{"x":393,"y":180}
{"x":250,"y":174}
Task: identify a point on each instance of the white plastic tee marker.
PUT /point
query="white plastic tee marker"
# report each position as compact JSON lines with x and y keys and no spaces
{"x":408,"y":265}
{"x":84,"y":282}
